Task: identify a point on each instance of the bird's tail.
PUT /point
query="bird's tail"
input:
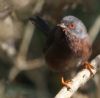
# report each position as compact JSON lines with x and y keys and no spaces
{"x":40,"y":24}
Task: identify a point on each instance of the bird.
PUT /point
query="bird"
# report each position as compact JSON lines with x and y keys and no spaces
{"x":67,"y":45}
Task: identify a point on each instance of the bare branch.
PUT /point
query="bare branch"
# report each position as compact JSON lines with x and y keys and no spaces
{"x":22,"y":64}
{"x":20,"y":60}
{"x":80,"y":79}
{"x":94,"y":30}
{"x":26,"y":40}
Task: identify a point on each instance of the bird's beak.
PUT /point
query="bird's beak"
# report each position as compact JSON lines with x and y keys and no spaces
{"x":62,"y":25}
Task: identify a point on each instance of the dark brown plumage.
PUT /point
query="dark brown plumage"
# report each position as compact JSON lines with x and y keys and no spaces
{"x":68,"y":45}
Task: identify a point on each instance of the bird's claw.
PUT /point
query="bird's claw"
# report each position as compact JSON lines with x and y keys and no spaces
{"x":89,"y":67}
{"x":66,"y":83}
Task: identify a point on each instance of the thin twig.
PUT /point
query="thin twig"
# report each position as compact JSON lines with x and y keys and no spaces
{"x":80,"y":79}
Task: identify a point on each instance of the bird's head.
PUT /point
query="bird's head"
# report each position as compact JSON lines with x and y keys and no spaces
{"x":73,"y":25}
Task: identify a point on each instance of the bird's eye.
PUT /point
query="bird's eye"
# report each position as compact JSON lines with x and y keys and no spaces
{"x":71,"y":26}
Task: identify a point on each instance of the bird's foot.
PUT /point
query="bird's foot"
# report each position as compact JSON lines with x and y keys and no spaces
{"x":88,"y":66}
{"x":66,"y":83}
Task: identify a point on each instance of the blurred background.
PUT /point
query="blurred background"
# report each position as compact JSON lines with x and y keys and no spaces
{"x":23,"y":72}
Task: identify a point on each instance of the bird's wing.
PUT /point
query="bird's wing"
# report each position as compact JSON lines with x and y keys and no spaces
{"x":40,"y":24}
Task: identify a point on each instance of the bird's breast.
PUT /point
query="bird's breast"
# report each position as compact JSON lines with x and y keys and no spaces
{"x":59,"y":57}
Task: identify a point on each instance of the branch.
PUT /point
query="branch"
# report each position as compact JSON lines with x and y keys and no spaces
{"x":80,"y":79}
{"x":94,"y":30}
{"x":20,"y":60}
{"x":29,"y":31}
{"x":22,"y":64}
